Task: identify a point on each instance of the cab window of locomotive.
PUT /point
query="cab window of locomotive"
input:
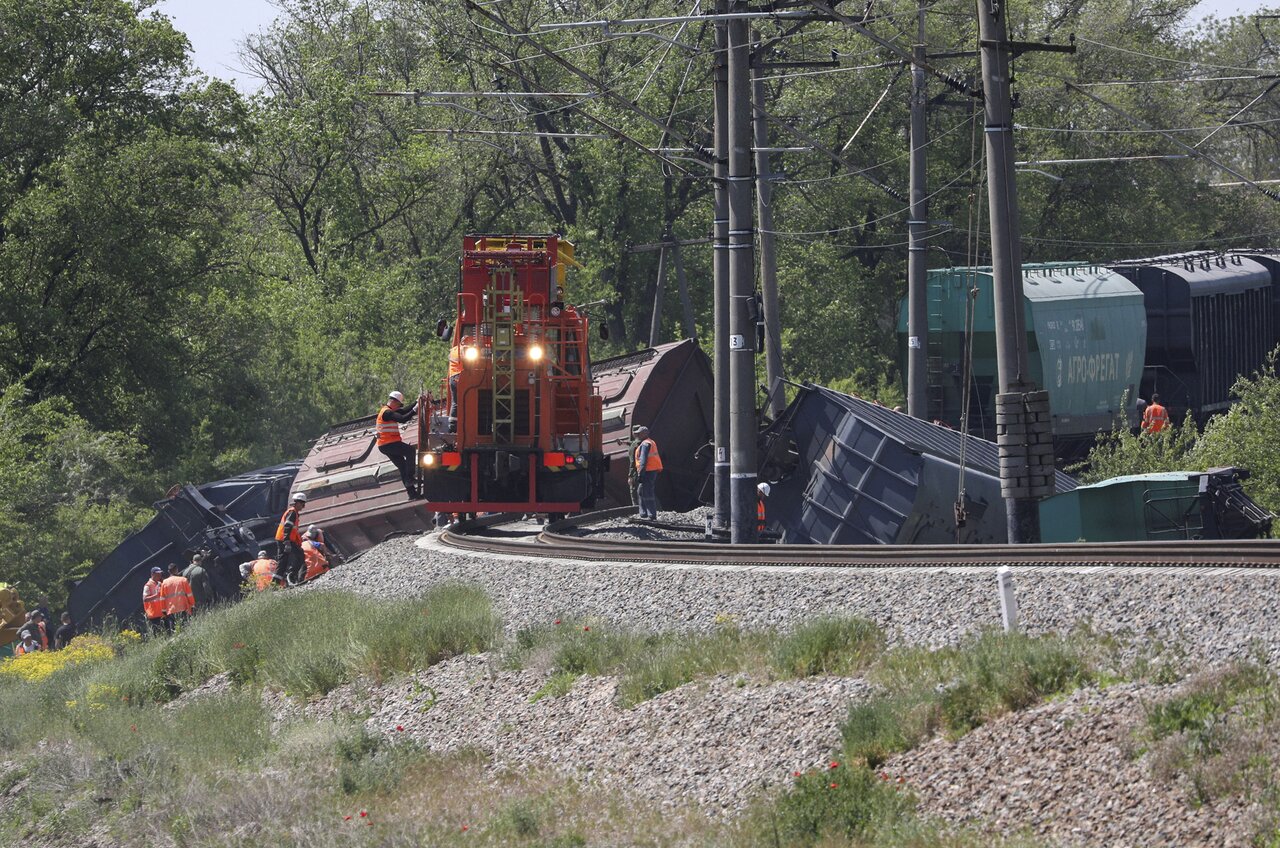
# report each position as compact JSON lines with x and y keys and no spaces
{"x":468,"y":332}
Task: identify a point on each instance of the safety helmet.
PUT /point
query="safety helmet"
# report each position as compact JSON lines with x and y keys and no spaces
{"x":313,"y":531}
{"x":262,"y":554}
{"x":155,"y":569}
{"x":299,"y":496}
{"x":763,"y":488}
{"x":396,"y":396}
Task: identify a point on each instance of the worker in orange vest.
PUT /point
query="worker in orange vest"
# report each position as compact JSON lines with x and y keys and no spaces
{"x":1155,"y":417}
{"x":648,"y":464}
{"x":762,"y":492}
{"x":392,"y":414}
{"x":290,"y":537}
{"x":313,"y":550}
{"x":153,"y":606}
{"x":179,"y":600}
{"x":263,"y":571}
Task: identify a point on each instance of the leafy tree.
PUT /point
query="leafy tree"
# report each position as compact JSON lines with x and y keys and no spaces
{"x":66,"y":492}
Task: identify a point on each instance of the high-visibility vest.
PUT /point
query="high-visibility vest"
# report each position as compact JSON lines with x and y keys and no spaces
{"x":317,"y":564}
{"x":264,"y":571}
{"x":653,"y":462}
{"x":153,"y":605}
{"x":176,"y":593}
{"x":388,"y":431}
{"x":760,"y":514}
{"x":44,"y":636}
{"x":1154,"y":418}
{"x":291,"y":516}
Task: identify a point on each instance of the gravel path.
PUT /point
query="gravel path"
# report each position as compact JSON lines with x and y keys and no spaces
{"x":1067,"y":771}
{"x":1212,"y":615}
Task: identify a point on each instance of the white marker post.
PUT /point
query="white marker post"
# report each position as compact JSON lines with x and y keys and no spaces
{"x":1008,"y":603}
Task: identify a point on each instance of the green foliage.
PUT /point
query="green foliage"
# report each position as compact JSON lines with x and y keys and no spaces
{"x":652,"y":663}
{"x":961,"y":687}
{"x":1121,"y":452}
{"x":1246,"y":436}
{"x":852,"y":803}
{"x":1207,"y":701}
{"x":840,"y":646}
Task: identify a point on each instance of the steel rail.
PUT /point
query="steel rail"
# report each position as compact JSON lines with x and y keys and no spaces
{"x":552,"y":543}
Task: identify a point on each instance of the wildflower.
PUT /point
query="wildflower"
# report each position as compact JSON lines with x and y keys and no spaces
{"x":834,"y":785}
{"x":364,"y":814}
{"x":795,"y":774}
{"x":835,"y":765}
{"x":133,"y":728}
{"x":465,"y":828}
{"x":557,"y":621}
{"x":346,"y":818}
{"x":399,"y":728}
{"x":586,"y":628}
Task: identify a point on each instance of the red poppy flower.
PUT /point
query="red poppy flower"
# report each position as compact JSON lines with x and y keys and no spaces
{"x":557,"y":621}
{"x":835,"y":765}
{"x":400,"y":728}
{"x":465,"y":828}
{"x":364,"y":814}
{"x":586,"y":628}
{"x":795,"y":774}
{"x":834,"y":785}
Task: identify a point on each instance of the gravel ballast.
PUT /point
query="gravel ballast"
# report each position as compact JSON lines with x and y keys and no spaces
{"x":1214,"y":615}
{"x":1066,"y":772}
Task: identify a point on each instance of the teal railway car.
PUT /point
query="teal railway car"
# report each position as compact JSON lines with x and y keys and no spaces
{"x":1086,"y":334}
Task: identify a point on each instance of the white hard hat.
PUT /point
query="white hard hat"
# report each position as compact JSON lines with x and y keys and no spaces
{"x":763,"y":488}
{"x":396,"y":396}
{"x":314,"y":531}
{"x":299,"y":496}
{"x":262,"y":554}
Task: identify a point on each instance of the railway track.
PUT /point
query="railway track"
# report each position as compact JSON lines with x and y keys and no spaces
{"x":554,"y":542}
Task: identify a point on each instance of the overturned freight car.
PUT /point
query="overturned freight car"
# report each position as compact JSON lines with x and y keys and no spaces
{"x":849,"y":472}
{"x":229,"y":519}
{"x":669,"y":389}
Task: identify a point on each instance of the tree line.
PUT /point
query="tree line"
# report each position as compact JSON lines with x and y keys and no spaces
{"x":195,"y":282}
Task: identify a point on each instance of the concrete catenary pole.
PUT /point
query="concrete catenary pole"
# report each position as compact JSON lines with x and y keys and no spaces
{"x":655,"y":324}
{"x":768,"y":252}
{"x":917,"y":294}
{"x":1020,"y":410}
{"x":742,"y":349}
{"x":720,"y":272}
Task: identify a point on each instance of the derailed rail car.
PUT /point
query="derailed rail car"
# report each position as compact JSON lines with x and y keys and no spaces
{"x":846,"y":471}
{"x":668,"y":389}
{"x":229,"y":519}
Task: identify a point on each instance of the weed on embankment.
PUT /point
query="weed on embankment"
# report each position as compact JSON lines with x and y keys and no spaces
{"x":138,"y":750}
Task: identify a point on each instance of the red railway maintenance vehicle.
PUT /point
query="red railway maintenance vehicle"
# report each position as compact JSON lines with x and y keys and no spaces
{"x":517,"y":428}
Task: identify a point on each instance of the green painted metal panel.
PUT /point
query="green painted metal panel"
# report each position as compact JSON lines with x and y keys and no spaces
{"x":1086,"y":335}
{"x":1144,"y":506}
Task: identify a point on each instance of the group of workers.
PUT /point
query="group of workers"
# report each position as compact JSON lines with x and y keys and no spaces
{"x":168,"y":601}
{"x":34,"y":634}
{"x":265,"y":572}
